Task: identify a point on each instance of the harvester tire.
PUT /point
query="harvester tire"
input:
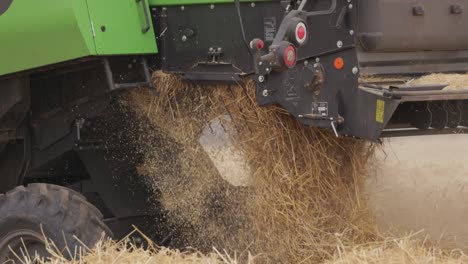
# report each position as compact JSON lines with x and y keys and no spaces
{"x":63,"y":216}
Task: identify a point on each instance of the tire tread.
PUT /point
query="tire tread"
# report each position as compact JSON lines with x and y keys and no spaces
{"x":62,"y":209}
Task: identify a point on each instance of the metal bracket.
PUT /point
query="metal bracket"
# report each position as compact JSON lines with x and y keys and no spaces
{"x":115,"y":86}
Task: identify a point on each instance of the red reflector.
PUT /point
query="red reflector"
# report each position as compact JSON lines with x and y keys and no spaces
{"x":339,"y":63}
{"x":257,"y":44}
{"x":290,"y":56}
{"x":301,"y":32}
{"x":260,"y":44}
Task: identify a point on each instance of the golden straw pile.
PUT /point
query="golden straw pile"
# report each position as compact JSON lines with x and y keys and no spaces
{"x":207,"y":210}
{"x":125,"y":252}
{"x":396,"y":251}
{"x":304,"y":204}
{"x":391,"y":251}
{"x":305,"y":195}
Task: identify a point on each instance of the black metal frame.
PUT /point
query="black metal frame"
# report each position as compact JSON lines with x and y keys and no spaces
{"x":313,"y":91}
{"x":114,"y":86}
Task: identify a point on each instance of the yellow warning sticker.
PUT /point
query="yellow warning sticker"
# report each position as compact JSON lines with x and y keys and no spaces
{"x":380,"y":111}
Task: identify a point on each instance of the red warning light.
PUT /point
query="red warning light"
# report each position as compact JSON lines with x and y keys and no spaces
{"x":290,"y":56}
{"x":301,"y":33}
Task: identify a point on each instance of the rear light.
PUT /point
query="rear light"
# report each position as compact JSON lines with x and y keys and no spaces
{"x":301,"y":33}
{"x":297,"y":32}
{"x":260,"y":44}
{"x":287,"y":54}
{"x":290,"y":56}
{"x":257,"y":44}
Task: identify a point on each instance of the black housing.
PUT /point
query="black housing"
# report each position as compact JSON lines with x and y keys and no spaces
{"x":383,"y":37}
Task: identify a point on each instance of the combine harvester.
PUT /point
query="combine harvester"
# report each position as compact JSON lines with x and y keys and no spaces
{"x":62,"y":61}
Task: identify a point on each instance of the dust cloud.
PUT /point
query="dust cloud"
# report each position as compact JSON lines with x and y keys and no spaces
{"x":420,"y":184}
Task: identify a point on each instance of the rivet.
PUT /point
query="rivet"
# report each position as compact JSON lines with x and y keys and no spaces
{"x":355,"y":70}
{"x":339,"y":44}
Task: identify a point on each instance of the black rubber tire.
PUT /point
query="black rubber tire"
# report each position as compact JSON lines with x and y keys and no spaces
{"x":58,"y":212}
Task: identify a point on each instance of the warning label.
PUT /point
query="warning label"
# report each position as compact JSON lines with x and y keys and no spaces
{"x":320,"y":109}
{"x":380,"y":111}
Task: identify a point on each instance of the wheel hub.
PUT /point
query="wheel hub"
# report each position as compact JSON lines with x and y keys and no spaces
{"x":22,"y":243}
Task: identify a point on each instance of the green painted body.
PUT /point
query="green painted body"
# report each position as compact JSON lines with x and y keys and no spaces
{"x":123,"y":21}
{"x":34,"y":34}
{"x":39,"y":33}
{"x":195,"y":2}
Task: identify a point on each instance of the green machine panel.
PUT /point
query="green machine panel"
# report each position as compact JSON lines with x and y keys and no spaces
{"x":195,"y":2}
{"x":39,"y":33}
{"x":120,"y":27}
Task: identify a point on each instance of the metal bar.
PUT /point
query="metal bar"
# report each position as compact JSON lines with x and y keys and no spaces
{"x":379,"y":83}
{"x":401,"y":88}
{"x":422,"y":132}
{"x":147,"y":26}
{"x":130,"y":85}
{"x":440,"y":97}
{"x":146,"y":71}
{"x":301,"y":6}
{"x":148,"y":77}
{"x":400,"y":93}
{"x":419,"y":95}
{"x":432,"y":87}
{"x":109,"y":75}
